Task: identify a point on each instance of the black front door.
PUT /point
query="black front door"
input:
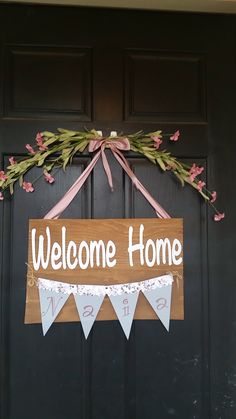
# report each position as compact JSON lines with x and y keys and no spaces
{"x":124,"y":71}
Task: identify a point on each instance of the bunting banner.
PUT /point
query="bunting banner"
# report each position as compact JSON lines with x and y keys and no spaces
{"x":51,"y":304}
{"x":124,"y":306}
{"x":89,"y":298}
{"x":160,"y":299}
{"x":88,"y":307}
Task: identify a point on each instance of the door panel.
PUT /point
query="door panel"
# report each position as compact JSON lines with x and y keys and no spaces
{"x":125,"y":71}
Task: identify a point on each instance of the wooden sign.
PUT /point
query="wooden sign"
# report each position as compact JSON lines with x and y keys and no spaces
{"x":104,"y":252}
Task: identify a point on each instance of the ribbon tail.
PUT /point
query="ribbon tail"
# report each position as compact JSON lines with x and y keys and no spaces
{"x":107,"y":169}
{"x":161,"y":213}
{"x":58,"y":209}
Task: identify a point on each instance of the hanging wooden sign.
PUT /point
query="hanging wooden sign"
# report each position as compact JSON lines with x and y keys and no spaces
{"x":104,"y":252}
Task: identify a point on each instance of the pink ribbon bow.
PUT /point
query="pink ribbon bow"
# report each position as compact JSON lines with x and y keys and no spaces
{"x":116,"y":145}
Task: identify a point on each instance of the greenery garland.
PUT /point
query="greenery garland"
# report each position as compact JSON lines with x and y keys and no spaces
{"x":56,"y":150}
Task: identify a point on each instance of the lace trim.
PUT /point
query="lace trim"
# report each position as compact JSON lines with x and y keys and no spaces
{"x":118,"y":289}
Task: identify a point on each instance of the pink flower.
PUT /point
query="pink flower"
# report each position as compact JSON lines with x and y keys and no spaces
{"x":12,"y":161}
{"x":219,"y":216}
{"x":39,"y":138}
{"x":195,"y":171}
{"x":1,"y":196}
{"x":200,"y":185}
{"x":2,"y":175}
{"x":28,"y":187}
{"x":157,"y":141}
{"x":175,"y":136}
{"x":29,"y":148}
{"x":192,"y":177}
{"x":49,"y":178}
{"x":213,"y":196}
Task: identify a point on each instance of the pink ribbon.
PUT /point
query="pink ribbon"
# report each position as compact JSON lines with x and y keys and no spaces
{"x":118,"y":144}
{"x":115,"y":145}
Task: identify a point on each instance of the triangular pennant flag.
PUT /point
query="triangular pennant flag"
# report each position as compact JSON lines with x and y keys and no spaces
{"x":160,"y":300}
{"x":124,"y":306}
{"x":88,"y":307}
{"x":51,"y":303}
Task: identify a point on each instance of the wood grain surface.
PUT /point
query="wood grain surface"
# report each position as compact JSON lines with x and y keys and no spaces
{"x":105,"y":230}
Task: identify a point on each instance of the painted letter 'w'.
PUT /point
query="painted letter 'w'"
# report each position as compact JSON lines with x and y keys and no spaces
{"x":40,"y":260}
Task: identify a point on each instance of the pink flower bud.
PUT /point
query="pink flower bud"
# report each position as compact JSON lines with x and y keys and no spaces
{"x":29,"y":148}
{"x":12,"y":161}
{"x":195,"y":171}
{"x":213,"y":196}
{"x":219,"y":216}
{"x":2,"y":175}
{"x":200,"y":185}
{"x":39,"y":138}
{"x":175,"y":136}
{"x":28,"y":187}
{"x":1,"y":196}
{"x":49,"y":178}
{"x":192,"y":177}
{"x":157,"y":141}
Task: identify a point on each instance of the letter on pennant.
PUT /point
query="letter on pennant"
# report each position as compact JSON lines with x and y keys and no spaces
{"x":124,"y":306}
{"x":51,"y":303}
{"x":88,"y":307}
{"x":160,"y":300}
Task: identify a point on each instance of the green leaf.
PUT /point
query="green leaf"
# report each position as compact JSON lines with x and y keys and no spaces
{"x":161,"y":163}
{"x":65,"y":163}
{"x":40,"y":162}
{"x":179,"y":177}
{"x":65,"y":151}
{"x":150,"y":157}
{"x":67,"y":132}
{"x":147,"y":148}
{"x":21,"y":180}
{"x":43,"y":156}
{"x":80,"y":147}
{"x":47,"y":134}
{"x":49,"y":166}
{"x":11,"y":188}
{"x":51,"y":141}
{"x":157,"y":133}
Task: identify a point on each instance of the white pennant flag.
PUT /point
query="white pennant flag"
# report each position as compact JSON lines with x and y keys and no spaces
{"x":88,"y":307}
{"x":160,"y":300}
{"x":51,"y":303}
{"x":124,"y":306}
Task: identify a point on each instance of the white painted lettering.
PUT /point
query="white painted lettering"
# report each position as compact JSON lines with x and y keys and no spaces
{"x":165,"y":247}
{"x":55,"y":256}
{"x":110,"y":253}
{"x":64,"y":254}
{"x":97,"y":247}
{"x":134,"y":247}
{"x":176,"y":250}
{"x":63,"y":240}
{"x":150,"y":244}
{"x":40,"y":258}
{"x":71,"y":248}
{"x":83,"y":246}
